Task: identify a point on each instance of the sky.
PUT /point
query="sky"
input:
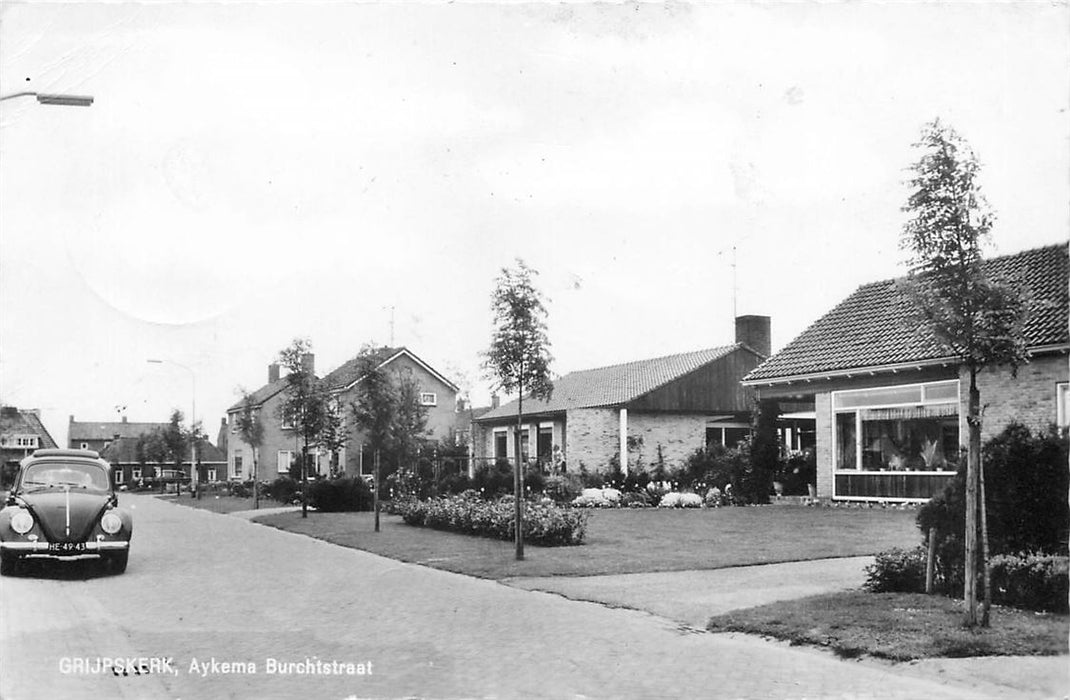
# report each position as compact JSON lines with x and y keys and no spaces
{"x":357,"y":173}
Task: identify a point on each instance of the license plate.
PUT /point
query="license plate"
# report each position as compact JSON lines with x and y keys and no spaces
{"x":66,"y":547}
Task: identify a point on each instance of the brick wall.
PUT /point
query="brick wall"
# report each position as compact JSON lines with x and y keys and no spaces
{"x":592,"y":436}
{"x":1029,"y":398}
{"x":275,"y":439}
{"x":678,"y":435}
{"x":824,"y":439}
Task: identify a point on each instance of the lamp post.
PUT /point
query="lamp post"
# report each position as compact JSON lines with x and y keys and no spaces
{"x":192,"y":422}
{"x":53,"y":98}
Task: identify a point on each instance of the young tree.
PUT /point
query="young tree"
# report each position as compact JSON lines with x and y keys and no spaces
{"x":251,"y":430}
{"x":974,"y":317}
{"x":518,"y":358}
{"x":388,"y":411}
{"x":308,"y":404}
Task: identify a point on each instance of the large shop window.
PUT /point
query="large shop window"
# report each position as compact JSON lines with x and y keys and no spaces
{"x":913,"y":427}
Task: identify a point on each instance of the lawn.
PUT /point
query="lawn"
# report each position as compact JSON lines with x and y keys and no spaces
{"x":629,"y":540}
{"x":221,"y":504}
{"x":899,"y":626}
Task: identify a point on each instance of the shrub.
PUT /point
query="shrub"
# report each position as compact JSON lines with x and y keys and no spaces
{"x":897,"y":571}
{"x":597,"y":498}
{"x":1026,"y":481}
{"x":343,"y":494}
{"x":282,"y":489}
{"x":546,"y":525}
{"x":636,"y":499}
{"x":722,"y":467}
{"x":1033,"y":581}
{"x":563,"y":488}
{"x":680,"y":500}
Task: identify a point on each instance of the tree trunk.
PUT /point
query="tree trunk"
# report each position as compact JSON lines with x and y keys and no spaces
{"x":987,"y":604}
{"x":518,"y":475}
{"x":973,"y":455}
{"x":304,"y":480}
{"x":375,"y":489}
{"x":256,"y":478}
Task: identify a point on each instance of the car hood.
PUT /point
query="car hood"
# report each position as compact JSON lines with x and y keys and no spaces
{"x":50,"y":510}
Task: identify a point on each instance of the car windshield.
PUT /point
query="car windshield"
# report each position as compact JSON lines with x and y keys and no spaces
{"x":59,"y":475}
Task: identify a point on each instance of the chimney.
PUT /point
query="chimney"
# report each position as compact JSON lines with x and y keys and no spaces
{"x":494,"y":401}
{"x":308,"y":363}
{"x":273,"y":373}
{"x":124,"y":419}
{"x":754,"y":332}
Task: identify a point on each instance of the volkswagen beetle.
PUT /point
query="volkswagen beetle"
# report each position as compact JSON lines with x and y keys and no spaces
{"x":63,"y":505}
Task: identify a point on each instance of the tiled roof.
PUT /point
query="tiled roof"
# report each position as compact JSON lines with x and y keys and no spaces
{"x":872,"y":327}
{"x":349,"y":372}
{"x":88,"y":430}
{"x":615,"y":385}
{"x":262,"y":394}
{"x":25,"y":422}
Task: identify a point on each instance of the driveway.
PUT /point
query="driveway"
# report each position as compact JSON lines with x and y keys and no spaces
{"x":223,"y":602}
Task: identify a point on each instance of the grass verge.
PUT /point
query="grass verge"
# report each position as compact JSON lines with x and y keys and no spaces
{"x":899,"y":626}
{"x":221,"y":504}
{"x":629,"y":540}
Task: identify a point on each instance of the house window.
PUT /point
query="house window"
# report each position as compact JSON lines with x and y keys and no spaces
{"x":545,"y":445}
{"x":237,"y":466}
{"x":285,"y":460}
{"x":211,"y":474}
{"x":118,"y":475}
{"x":287,"y":420}
{"x":501,"y":444}
{"x":85,"y":446}
{"x":1062,"y":404}
{"x":428,"y":398}
{"x":136,"y":475}
{"x":914,"y":427}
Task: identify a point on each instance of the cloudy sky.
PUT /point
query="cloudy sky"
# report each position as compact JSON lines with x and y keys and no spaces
{"x":252,"y":173}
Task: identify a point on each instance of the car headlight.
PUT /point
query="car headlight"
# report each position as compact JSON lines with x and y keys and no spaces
{"x":22,"y":522}
{"x":111,"y":523}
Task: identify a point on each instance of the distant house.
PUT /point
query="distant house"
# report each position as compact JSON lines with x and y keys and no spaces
{"x":122,"y":454}
{"x":889,"y":402}
{"x":634,"y":412}
{"x":21,"y":432}
{"x":281,"y":445}
{"x":97,"y":435}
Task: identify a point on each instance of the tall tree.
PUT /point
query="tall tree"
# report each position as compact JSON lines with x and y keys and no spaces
{"x":974,"y":317}
{"x":308,"y":404}
{"x":519,"y":358}
{"x":251,"y":430}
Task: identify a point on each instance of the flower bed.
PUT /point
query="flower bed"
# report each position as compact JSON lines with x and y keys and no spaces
{"x":546,"y":525}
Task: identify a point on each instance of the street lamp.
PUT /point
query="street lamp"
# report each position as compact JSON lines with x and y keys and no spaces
{"x":53,"y":98}
{"x":192,"y":421}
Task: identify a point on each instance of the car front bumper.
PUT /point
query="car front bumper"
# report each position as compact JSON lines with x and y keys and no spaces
{"x":39,"y":547}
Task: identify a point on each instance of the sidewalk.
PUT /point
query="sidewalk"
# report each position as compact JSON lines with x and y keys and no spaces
{"x":692,"y":597}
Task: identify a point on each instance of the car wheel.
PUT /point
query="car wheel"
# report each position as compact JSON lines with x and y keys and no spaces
{"x":8,"y":564}
{"x":117,"y":562}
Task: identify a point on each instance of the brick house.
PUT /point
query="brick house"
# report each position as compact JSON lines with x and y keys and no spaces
{"x":281,"y":445}
{"x":97,"y":435}
{"x":21,"y":432}
{"x":888,"y":402}
{"x":672,"y":405}
{"x":122,"y":454}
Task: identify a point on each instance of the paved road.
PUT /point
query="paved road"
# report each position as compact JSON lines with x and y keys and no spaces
{"x":204,"y":587}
